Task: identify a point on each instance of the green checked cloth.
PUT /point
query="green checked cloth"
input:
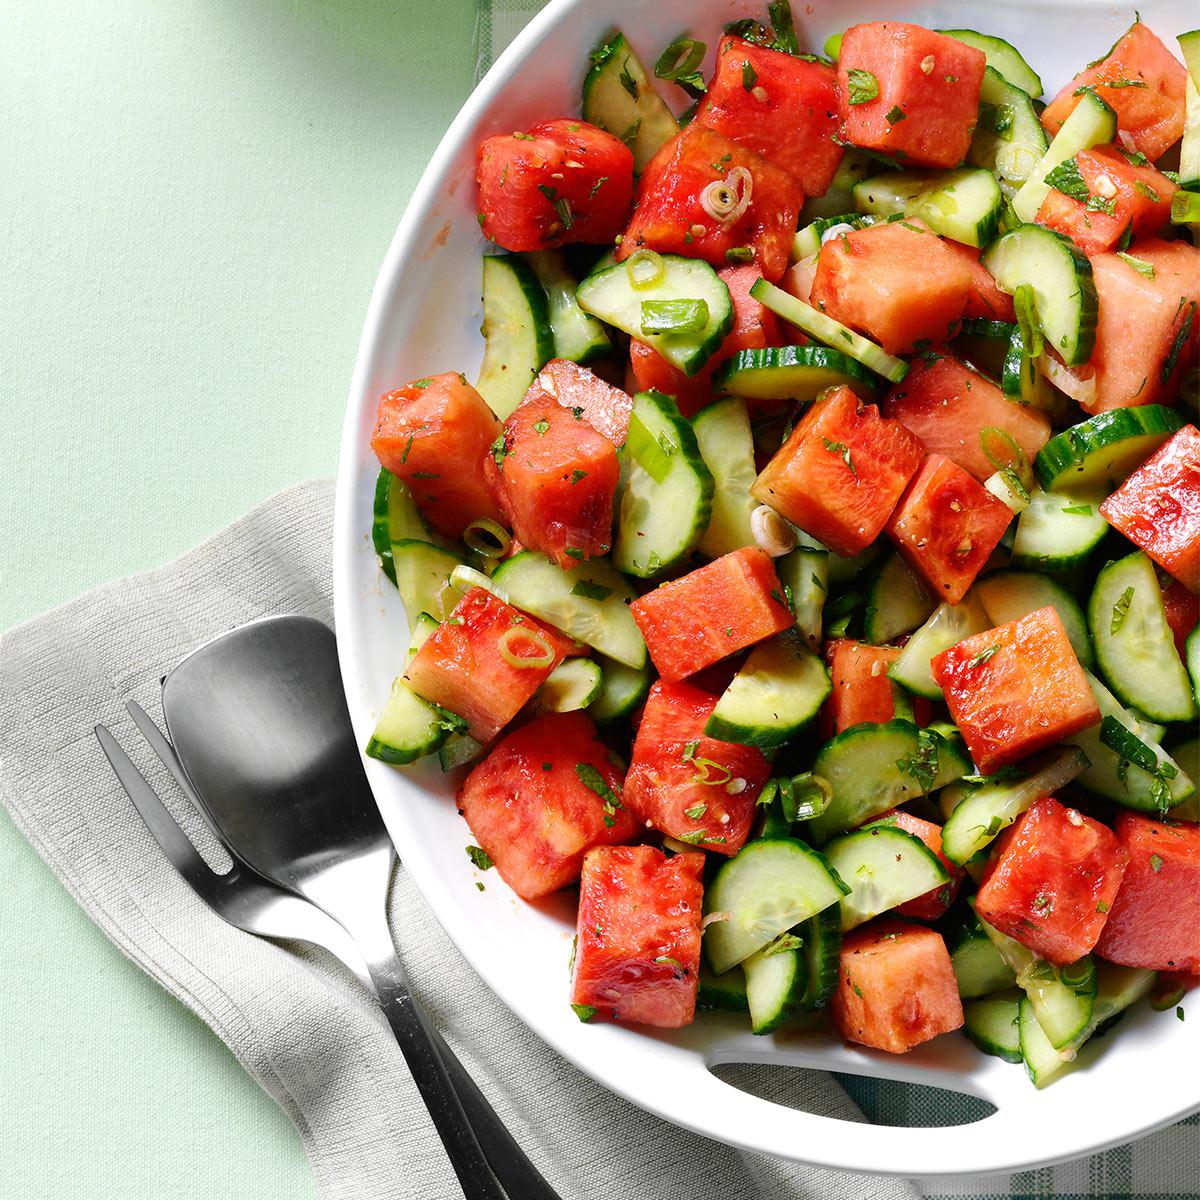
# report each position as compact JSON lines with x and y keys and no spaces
{"x":1164,"y":1166}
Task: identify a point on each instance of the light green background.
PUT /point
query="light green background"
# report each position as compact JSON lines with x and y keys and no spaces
{"x":194,"y":198}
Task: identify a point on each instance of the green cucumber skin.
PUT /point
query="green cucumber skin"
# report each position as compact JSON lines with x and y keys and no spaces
{"x":993,"y":1024}
{"x":381,"y":532}
{"x":765,"y":374}
{"x":578,"y":337}
{"x":1063,"y":462}
{"x":893,"y":843}
{"x":1001,"y":54}
{"x":822,"y":936}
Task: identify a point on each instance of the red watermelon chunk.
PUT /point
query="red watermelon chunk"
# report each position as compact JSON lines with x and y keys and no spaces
{"x":862,"y":690}
{"x":985,"y":299}
{"x":1147,"y":327}
{"x":1051,"y":881}
{"x":1140,"y":198}
{"x":461,"y":665}
{"x":1015,"y":689}
{"x":946,"y":526}
{"x":1154,"y":922}
{"x":695,"y":788}
{"x":1182,"y":609}
{"x":1158,"y":507}
{"x":605,"y":408}
{"x":557,"y":480}
{"x":961,"y":414}
{"x":782,"y":107}
{"x":547,"y":794}
{"x":637,"y":955}
{"x":562,"y":181}
{"x":694,"y":621}
{"x":927,"y":97}
{"x":933,"y":905}
{"x":896,"y":987}
{"x":423,"y":428}
{"x":840,"y":472}
{"x":670,"y":216}
{"x":896,"y":282}
{"x":1142,"y":81}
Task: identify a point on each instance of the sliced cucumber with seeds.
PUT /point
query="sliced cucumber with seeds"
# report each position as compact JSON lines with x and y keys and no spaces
{"x":666,"y":504}
{"x":572,"y":685}
{"x":423,"y":573}
{"x":619,"y":97}
{"x":825,"y":329}
{"x":1058,"y":530}
{"x":1009,"y":595}
{"x":409,"y":727}
{"x":1008,"y":139}
{"x":822,"y":937}
{"x":897,"y":603}
{"x":1092,"y":123}
{"x":984,"y":344}
{"x":722,"y":993}
{"x":767,"y":888}
{"x":883,"y":866}
{"x":798,"y":373}
{"x":978,"y":966}
{"x":993,"y":1024}
{"x":1059,"y":276}
{"x":612,"y":295}
{"x":804,"y":574}
{"x":518,"y":338}
{"x":1100,"y":452}
{"x":963,"y":204}
{"x":622,"y":689}
{"x":775,"y":983}
{"x":577,"y":336}
{"x":947,"y":627}
{"x":777,"y":691}
{"x":727,"y":446}
{"x":1002,"y":57}
{"x":1134,"y":645}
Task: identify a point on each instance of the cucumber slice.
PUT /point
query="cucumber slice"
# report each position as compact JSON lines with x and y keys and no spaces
{"x":1009,"y":595}
{"x":722,"y":993}
{"x":577,"y":336}
{"x":977,"y":963}
{"x":1092,"y":123}
{"x":872,"y":768}
{"x":855,"y":165}
{"x":1059,"y":276}
{"x":984,"y":344}
{"x":993,"y":1024}
{"x":1186,"y":755}
{"x":963,"y":204}
{"x":1058,"y":530}
{"x":622,"y":689}
{"x":1134,"y":645}
{"x":1185,"y":210}
{"x":572,"y":685}
{"x":1121,"y":780}
{"x":1009,"y":139}
{"x":1192,"y":660}
{"x":1021,"y":380}
{"x":982,"y":812}
{"x":727,"y":447}
{"x":590,"y":602}
{"x":767,"y":888}
{"x":395,"y":518}
{"x":822,"y":937}
{"x":883,"y":866}
{"x":422,"y":628}
{"x":798,"y":373}
{"x":775,"y":983}
{"x":610,"y":294}
{"x":1189,"y":148}
{"x":459,"y":750}
{"x":409,"y":727}
{"x":1002,"y":57}
{"x":1042,"y":1061}
{"x":809,"y":239}
{"x":423,"y":573}
{"x":825,"y":329}
{"x":805,"y":577}
{"x":841,"y":569}
{"x":947,"y":627}
{"x":666,"y":504}
{"x":897,"y":603}
{"x":619,"y":97}
{"x":1101,"y":452}
{"x":518,"y":338}
{"x":778,"y":690}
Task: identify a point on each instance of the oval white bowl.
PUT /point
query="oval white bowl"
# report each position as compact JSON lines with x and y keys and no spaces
{"x":424,"y":318}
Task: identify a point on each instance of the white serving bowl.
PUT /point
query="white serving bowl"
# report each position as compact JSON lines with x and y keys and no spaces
{"x":424,"y":318}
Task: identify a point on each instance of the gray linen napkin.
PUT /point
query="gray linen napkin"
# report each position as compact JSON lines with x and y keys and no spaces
{"x":297,"y":1020}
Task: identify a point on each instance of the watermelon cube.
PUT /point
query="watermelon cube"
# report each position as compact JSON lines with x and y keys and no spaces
{"x":605,"y":408}
{"x":896,"y":282}
{"x":783,"y":107}
{"x":1154,"y":922}
{"x":485,"y":662}
{"x":933,"y":905}
{"x":637,"y":954}
{"x":985,"y":299}
{"x":896,"y":987}
{"x":909,"y":92}
{"x":946,"y":526}
{"x":547,"y":794}
{"x":963,"y":415}
{"x":1015,"y":689}
{"x":424,"y":429}
{"x":670,"y":216}
{"x":1142,"y":81}
{"x":1158,"y":507}
{"x":840,"y":472}
{"x":694,"y":621}
{"x":695,"y":788}
{"x":862,"y":690}
{"x":1051,"y":881}
{"x":1182,"y":608}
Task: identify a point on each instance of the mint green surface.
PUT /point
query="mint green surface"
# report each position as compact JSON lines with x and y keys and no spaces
{"x":195,"y":198}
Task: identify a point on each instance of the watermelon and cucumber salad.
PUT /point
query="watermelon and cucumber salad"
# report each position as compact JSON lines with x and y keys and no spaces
{"x":809,"y":576}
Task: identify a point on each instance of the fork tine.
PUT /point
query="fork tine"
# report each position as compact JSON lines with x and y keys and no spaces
{"x":162,"y":825}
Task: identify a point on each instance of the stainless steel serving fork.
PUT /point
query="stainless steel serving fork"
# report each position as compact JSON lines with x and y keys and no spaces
{"x":260,"y":743}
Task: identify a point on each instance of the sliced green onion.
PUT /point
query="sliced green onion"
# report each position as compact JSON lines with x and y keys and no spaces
{"x":465,"y":578}
{"x":1027,"y":319}
{"x":710,"y":773}
{"x":487,"y":537}
{"x":1167,"y":993}
{"x":1009,"y":456}
{"x":804,"y":796}
{"x":510,"y":642}
{"x":1078,"y":974}
{"x":1005,"y":485}
{"x":679,"y":63}
{"x":645,"y":268}
{"x":674,"y":316}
